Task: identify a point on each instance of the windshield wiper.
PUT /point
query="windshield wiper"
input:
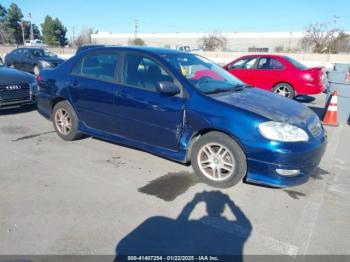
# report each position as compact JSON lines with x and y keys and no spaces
{"x":222,"y":90}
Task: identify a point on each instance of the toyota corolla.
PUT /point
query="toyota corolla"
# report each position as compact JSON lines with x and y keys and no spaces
{"x":185,"y":108}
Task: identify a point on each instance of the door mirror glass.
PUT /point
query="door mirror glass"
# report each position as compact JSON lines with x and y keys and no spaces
{"x":168,"y":88}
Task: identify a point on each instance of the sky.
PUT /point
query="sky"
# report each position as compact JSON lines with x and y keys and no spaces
{"x":157,"y":16}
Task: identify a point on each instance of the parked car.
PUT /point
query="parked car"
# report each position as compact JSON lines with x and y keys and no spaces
{"x":165,"y":102}
{"x":86,"y":47}
{"x":35,"y":43}
{"x":282,"y":75}
{"x":16,"y":87}
{"x":32,"y":60}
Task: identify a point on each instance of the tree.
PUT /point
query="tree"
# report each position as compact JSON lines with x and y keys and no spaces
{"x":84,"y":37}
{"x":5,"y":35}
{"x":137,"y":41}
{"x":213,"y":42}
{"x":3,"y":13}
{"x":342,"y":43}
{"x":54,"y":33}
{"x":320,"y":39}
{"x":13,"y":20}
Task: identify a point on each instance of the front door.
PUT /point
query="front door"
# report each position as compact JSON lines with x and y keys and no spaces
{"x":146,"y":115}
{"x":244,"y":70}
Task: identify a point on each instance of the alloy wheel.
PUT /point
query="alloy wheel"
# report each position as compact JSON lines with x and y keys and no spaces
{"x":216,"y":161}
{"x":283,"y":91}
{"x":63,"y":121}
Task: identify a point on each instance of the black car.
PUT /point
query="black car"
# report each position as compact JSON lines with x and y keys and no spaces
{"x":32,"y":60}
{"x":16,"y":87}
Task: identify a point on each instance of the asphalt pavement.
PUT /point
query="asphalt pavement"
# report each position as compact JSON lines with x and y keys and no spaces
{"x":95,"y":197}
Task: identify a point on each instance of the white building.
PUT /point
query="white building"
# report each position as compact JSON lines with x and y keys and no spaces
{"x":235,"y":41}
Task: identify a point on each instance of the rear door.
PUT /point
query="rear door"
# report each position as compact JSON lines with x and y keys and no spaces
{"x":268,"y":72}
{"x":145,"y":114}
{"x":93,"y":88}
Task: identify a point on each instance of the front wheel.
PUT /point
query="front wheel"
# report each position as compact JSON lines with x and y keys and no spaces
{"x":218,"y":160}
{"x":65,"y":121}
{"x":285,"y":90}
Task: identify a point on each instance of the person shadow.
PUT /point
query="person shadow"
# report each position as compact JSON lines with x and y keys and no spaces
{"x":211,"y":235}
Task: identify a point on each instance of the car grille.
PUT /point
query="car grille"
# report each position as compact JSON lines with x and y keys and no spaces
{"x":315,"y":127}
{"x":14,"y":93}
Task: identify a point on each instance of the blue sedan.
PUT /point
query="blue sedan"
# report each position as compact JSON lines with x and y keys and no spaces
{"x":183,"y":107}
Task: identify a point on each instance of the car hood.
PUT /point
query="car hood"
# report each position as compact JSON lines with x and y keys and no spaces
{"x":269,"y":105}
{"x":13,"y":76}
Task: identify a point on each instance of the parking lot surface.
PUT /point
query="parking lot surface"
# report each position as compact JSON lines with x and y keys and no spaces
{"x":95,"y":197}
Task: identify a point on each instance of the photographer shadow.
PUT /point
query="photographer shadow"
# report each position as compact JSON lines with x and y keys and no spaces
{"x":213,"y":234}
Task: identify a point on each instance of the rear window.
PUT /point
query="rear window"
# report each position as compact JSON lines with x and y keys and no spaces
{"x":294,"y":62}
{"x":100,"y":66}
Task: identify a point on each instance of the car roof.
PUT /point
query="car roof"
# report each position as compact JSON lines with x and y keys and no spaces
{"x":147,"y":49}
{"x":263,"y":55}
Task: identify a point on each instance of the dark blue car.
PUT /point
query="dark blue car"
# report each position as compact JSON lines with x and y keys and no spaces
{"x":183,"y":107}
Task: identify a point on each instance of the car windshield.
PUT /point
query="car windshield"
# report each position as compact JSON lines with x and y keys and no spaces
{"x":42,"y":53}
{"x":203,"y":74}
{"x":294,"y":62}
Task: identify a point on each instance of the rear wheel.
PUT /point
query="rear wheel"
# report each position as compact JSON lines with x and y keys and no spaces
{"x":284,"y":89}
{"x":65,"y":121}
{"x":218,"y":160}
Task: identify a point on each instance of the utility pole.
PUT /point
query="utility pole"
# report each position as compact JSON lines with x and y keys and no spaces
{"x":22,"y":26}
{"x":31,"y":27}
{"x":73,"y":32}
{"x":136,"y":28}
{"x":289,"y":42}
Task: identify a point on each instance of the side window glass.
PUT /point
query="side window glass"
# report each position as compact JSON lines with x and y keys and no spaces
{"x":250,"y":64}
{"x":269,"y":63}
{"x":239,"y":64}
{"x":97,"y":66}
{"x":245,"y":63}
{"x":275,"y":64}
{"x":144,"y":73}
{"x":264,"y":63}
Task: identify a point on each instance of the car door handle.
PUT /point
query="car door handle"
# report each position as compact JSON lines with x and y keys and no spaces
{"x":72,"y":83}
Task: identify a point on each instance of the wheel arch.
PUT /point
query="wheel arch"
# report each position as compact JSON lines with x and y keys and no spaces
{"x":205,"y":131}
{"x":55,"y":101}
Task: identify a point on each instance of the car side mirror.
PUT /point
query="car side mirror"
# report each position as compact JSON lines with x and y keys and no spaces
{"x":168,"y":88}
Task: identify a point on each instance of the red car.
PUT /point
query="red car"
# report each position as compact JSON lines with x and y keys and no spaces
{"x":280,"y":74}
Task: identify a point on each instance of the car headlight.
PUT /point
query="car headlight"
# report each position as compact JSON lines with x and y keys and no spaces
{"x":45,"y":64}
{"x":284,"y":132}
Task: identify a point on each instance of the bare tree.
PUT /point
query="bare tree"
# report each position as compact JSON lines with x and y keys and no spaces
{"x":83,"y":38}
{"x":137,"y":41}
{"x":320,"y":39}
{"x":213,"y":41}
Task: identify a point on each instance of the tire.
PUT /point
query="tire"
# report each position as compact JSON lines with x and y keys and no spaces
{"x":284,"y":89}
{"x":36,"y":70}
{"x":65,"y":121}
{"x":222,"y":175}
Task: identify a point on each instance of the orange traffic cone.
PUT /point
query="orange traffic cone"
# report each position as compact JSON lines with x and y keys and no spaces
{"x":331,"y":116}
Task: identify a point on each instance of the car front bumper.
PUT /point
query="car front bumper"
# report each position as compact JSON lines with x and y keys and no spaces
{"x":303,"y":157}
